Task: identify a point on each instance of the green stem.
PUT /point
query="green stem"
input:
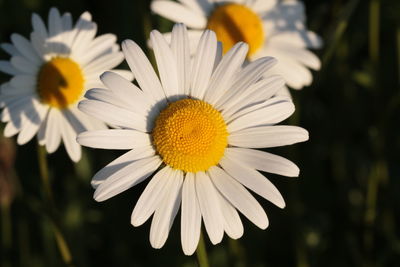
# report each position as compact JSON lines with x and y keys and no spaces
{"x":201,"y":253}
{"x":60,"y":240}
{"x":44,"y":173}
{"x":374,"y":31}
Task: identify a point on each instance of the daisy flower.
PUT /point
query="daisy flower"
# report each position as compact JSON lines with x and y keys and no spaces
{"x":197,"y":129}
{"x":270,"y":27}
{"x":51,"y":72}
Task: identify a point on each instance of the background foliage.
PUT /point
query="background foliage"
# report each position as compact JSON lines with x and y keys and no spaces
{"x":343,"y":210}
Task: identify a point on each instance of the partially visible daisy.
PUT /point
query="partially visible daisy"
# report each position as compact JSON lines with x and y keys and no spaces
{"x":270,"y":27}
{"x":197,"y":128}
{"x":51,"y":72}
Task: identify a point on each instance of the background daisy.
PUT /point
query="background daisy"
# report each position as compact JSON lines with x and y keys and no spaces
{"x":270,"y":27}
{"x":197,"y":128}
{"x":51,"y":72}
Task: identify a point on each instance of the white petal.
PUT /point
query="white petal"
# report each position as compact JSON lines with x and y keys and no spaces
{"x":107,"y":96}
{"x":10,"y":49}
{"x":113,"y":115}
{"x":152,"y":196}
{"x":256,"y":93}
{"x":203,"y":64}
{"x":114,"y":139}
{"x":166,"y":64}
{"x":99,"y":46}
{"x":88,"y":123}
{"x":263,"y":161}
{"x":127,"y":92}
{"x":38,"y":26}
{"x":255,"y":106}
{"x":165,"y":213}
{"x":85,"y":32}
{"x":121,"y":162}
{"x":181,"y":51}
{"x":178,"y":13}
{"x":25,"y":48}
{"x":126,"y":177}
{"x":223,"y":76}
{"x":40,"y":45}
{"x":298,"y":39}
{"x":246,"y":77}
{"x":103,"y":63}
{"x":239,"y":197}
{"x":53,"y":130}
{"x":30,"y":124}
{"x":203,"y":7}
{"x":296,"y":75}
{"x":300,"y":54}
{"x":75,"y":123}
{"x":253,"y":180}
{"x":209,"y":206}
{"x":260,"y":6}
{"x":190,"y":216}
{"x":194,"y":38}
{"x":232,"y":224}
{"x":15,"y":106}
{"x":143,"y":71}
{"x":126,"y":74}
{"x":24,"y":65}
{"x":66,"y":21}
{"x":271,"y":114}
{"x":69,"y":138}
{"x":6,"y":67}
{"x":10,"y":130}
{"x":268,"y":136}
{"x":218,"y":55}
{"x":55,"y":42}
{"x":55,"y":24}
{"x":23,"y":83}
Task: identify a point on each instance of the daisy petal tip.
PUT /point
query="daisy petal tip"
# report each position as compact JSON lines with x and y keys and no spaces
{"x":264,"y":226}
{"x":105,"y":75}
{"x":127,"y":43}
{"x":99,"y":195}
{"x":296,"y":171}
{"x":188,"y":251}
{"x":136,"y":220}
{"x":306,"y":135}
{"x":237,"y":235}
{"x":281,"y":204}
{"x":74,"y":158}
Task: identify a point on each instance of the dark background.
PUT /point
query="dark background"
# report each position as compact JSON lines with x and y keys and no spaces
{"x":343,"y":210}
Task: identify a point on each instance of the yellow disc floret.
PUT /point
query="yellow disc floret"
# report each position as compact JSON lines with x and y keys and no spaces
{"x":237,"y":23}
{"x":60,"y":82}
{"x":190,"y":135}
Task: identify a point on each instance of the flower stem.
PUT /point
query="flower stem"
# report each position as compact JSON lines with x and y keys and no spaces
{"x":44,"y":173}
{"x":201,"y":252}
{"x":60,"y":240}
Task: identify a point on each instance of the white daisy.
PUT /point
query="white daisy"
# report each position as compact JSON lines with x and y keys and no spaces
{"x":196,"y":128}
{"x":270,"y":27}
{"x":51,"y":72}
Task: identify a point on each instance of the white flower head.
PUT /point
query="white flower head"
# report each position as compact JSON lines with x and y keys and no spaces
{"x":270,"y":27}
{"x":51,"y":72}
{"x":197,"y":129}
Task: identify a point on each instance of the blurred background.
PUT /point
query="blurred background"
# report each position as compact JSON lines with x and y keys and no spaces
{"x":343,"y":210}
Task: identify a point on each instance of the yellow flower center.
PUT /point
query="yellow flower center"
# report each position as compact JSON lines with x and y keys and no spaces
{"x":190,"y":135}
{"x":60,"y":82}
{"x":237,"y":23}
